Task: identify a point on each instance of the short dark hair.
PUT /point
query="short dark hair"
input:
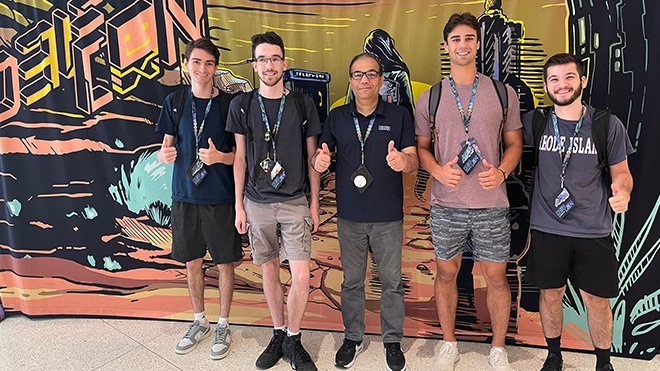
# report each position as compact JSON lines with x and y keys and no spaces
{"x":562,"y":58}
{"x":269,"y":37}
{"x":365,"y":55}
{"x":204,"y":44}
{"x":461,"y":19}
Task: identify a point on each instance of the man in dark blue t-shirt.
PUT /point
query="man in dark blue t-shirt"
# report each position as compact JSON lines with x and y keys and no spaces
{"x":571,"y":213}
{"x":202,"y":191}
{"x":375,"y":142}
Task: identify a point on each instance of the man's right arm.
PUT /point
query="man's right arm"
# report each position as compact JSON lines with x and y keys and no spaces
{"x":240,"y":166}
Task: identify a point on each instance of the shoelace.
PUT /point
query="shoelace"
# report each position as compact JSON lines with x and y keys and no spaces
{"x":496,"y":356}
{"x":391,"y":350}
{"x":444,"y":350}
{"x":191,"y":329}
{"x":272,"y":346}
{"x":220,"y":335}
{"x":300,"y":354}
{"x":348,"y":346}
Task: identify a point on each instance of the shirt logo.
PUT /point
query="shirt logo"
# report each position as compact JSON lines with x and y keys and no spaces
{"x":383,"y":127}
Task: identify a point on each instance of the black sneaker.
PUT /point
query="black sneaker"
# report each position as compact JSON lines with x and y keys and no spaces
{"x":396,"y":361}
{"x":553,"y":362}
{"x":297,"y":355}
{"x":273,"y":351}
{"x":606,"y":367}
{"x":347,"y":353}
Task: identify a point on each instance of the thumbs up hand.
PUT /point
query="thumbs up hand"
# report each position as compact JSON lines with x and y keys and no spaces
{"x":322,"y":158}
{"x":212,"y":155}
{"x":395,"y":159}
{"x":619,"y":200}
{"x":447,"y":174}
{"x":492,"y":177}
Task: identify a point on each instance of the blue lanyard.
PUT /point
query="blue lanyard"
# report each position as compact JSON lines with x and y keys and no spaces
{"x":366,"y":135}
{"x":565,"y":156}
{"x":473,"y":94}
{"x":198,"y":130}
{"x":271,"y":134}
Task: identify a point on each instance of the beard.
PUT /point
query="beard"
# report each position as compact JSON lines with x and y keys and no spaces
{"x":273,"y":83}
{"x":576,"y":94}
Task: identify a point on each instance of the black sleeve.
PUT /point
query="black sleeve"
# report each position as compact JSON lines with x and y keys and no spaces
{"x":165,"y":124}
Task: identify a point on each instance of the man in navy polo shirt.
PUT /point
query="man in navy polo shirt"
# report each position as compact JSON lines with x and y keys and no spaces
{"x":375,"y":143}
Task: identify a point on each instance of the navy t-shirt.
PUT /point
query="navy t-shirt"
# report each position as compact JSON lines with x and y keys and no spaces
{"x":592,"y":216}
{"x":218,"y":186}
{"x":382,"y":201}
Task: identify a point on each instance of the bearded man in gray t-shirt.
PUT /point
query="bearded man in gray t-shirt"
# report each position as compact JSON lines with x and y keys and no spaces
{"x":571,"y":211}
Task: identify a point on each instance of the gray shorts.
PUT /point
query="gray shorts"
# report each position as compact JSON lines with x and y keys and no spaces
{"x":489,"y":230}
{"x":295,"y":230}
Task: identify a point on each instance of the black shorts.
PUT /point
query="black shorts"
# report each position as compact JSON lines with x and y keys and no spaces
{"x":196,"y":228}
{"x":590,"y":263}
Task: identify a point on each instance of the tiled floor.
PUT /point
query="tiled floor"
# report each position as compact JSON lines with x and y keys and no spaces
{"x":117,"y":344}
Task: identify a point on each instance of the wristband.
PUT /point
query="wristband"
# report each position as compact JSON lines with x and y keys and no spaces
{"x":503,"y":174}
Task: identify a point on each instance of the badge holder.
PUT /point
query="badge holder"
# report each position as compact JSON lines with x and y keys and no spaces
{"x":274,"y":171}
{"x":362,"y":178}
{"x":197,"y":172}
{"x":469,"y":156}
{"x":563,"y":203}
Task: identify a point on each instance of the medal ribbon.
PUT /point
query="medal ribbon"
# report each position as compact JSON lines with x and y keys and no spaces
{"x":271,"y":134}
{"x":565,"y":156}
{"x":359,"y":133}
{"x":473,"y":94}
{"x":198,"y":130}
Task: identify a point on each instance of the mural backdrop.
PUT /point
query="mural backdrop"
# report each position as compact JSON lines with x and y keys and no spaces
{"x":84,"y":205}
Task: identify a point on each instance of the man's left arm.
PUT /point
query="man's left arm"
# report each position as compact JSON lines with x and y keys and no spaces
{"x":496,"y":175}
{"x":314,"y":182}
{"x":622,"y":184}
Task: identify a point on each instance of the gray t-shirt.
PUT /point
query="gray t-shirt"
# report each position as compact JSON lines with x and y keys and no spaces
{"x":485,"y":127}
{"x":591,"y":217}
{"x":290,"y":148}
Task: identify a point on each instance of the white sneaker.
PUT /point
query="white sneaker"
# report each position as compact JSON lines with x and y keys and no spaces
{"x":447,"y":357}
{"x":498,"y":360}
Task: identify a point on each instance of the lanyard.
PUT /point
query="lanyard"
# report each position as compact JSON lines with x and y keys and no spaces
{"x":271,"y":134}
{"x":366,"y":135}
{"x":198,"y":130}
{"x":473,"y":94}
{"x":565,"y":156}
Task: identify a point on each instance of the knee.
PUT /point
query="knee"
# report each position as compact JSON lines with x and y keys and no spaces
{"x":300,"y":278}
{"x":497,"y":283}
{"x":552,"y":295}
{"x":194,"y":266}
{"x":446,"y":277}
{"x":595,"y":302}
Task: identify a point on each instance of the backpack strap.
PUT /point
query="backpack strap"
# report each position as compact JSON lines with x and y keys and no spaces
{"x":503,"y":96}
{"x":178,"y":102}
{"x":539,"y":122}
{"x":246,"y":101}
{"x":434,"y":103}
{"x":599,"y":130}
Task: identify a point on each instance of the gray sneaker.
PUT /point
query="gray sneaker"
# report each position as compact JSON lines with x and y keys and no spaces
{"x":221,"y":342}
{"x":193,"y":336}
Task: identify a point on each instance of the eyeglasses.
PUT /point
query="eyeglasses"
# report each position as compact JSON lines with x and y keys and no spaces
{"x":371,"y":74}
{"x":276,"y":59}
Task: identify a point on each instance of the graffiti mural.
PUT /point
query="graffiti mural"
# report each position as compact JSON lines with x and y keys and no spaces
{"x":85,"y":206}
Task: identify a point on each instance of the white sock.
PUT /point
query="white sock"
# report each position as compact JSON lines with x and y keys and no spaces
{"x":289,"y":333}
{"x":223,"y":322}
{"x":281,"y":328}
{"x":201,"y":317}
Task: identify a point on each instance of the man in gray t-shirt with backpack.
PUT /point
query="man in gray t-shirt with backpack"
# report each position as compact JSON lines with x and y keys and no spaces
{"x":581,"y":156}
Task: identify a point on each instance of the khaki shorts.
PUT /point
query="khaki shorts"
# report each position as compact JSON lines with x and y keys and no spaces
{"x":295,"y":230}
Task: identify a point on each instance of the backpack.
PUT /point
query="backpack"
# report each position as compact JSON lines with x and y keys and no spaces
{"x":599,"y":130}
{"x":299,"y":99}
{"x":434,"y":103}
{"x":179,"y":100}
